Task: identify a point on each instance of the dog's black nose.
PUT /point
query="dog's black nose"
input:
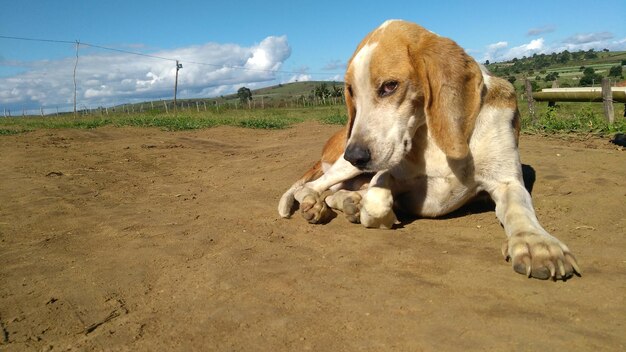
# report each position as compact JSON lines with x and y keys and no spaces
{"x":357,"y":155}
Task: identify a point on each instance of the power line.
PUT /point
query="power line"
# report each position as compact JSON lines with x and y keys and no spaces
{"x":38,"y":40}
{"x":76,"y":42}
{"x":127,"y":52}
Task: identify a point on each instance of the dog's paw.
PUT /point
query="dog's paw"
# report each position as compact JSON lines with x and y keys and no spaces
{"x":312,"y":206}
{"x":540,"y":256}
{"x":377,"y":209}
{"x":348,"y":202}
{"x":352,"y":208}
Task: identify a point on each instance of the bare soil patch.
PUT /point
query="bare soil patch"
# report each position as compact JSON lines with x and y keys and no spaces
{"x":138,"y":239}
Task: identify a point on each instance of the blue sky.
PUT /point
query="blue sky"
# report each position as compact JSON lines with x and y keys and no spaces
{"x":302,"y":39}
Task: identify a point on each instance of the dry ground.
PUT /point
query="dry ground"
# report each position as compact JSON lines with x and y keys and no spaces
{"x":142,"y":240}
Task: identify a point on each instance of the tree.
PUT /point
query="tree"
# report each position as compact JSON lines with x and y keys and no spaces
{"x":486,"y":62}
{"x":590,"y":77}
{"x":321,"y":91}
{"x":551,"y":76}
{"x":578,"y":55}
{"x":337,"y":92}
{"x":588,"y":71}
{"x":615,"y":71}
{"x":591,"y":54}
{"x":244,"y":94}
{"x":534,"y":86}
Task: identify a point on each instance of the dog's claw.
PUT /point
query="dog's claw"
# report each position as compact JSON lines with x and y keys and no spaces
{"x":569,"y":257}
{"x":561,"y":267}
{"x":540,"y":256}
{"x":505,"y":251}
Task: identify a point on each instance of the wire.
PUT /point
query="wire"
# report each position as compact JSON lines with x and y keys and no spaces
{"x":127,"y":52}
{"x":77,"y":42}
{"x":38,"y":40}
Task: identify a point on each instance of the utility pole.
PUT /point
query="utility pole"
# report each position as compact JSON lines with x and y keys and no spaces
{"x":75,"y":64}
{"x":178,"y":67}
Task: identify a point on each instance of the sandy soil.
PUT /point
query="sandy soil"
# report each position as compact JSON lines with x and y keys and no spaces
{"x":142,"y":240}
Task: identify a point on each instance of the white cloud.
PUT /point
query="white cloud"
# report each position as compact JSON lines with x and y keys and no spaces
{"x":494,"y":50}
{"x":301,"y":77}
{"x":586,"y":38}
{"x":335,"y":78}
{"x":107,"y":79}
{"x":500,"y":51}
{"x":535,"y":46}
{"x":540,"y":30}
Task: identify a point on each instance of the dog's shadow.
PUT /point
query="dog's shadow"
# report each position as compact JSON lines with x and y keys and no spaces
{"x":482,"y":203}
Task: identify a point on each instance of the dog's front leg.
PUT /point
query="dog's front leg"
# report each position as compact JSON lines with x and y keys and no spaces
{"x":531,"y":249}
{"x":311,"y":195}
{"x":377,"y":204}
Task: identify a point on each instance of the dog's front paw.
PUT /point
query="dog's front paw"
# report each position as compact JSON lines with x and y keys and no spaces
{"x":352,"y":208}
{"x":349,"y":202}
{"x":377,"y":209}
{"x":312,"y":206}
{"x":540,"y":256}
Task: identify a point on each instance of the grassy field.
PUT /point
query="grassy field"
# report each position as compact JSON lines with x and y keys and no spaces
{"x":184,"y":120}
{"x":577,"y":118}
{"x":572,"y":118}
{"x":569,"y":73}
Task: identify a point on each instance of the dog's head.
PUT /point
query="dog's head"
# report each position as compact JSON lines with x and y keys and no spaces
{"x":400,"y":77}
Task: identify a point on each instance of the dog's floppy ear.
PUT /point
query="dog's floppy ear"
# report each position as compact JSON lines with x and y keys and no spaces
{"x":452,"y":83}
{"x":351,"y":109}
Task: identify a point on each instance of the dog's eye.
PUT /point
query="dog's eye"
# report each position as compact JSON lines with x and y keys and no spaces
{"x":387,"y":88}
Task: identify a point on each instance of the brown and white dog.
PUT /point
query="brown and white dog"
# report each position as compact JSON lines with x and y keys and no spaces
{"x":428,"y":129}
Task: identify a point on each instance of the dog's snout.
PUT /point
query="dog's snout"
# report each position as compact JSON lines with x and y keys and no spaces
{"x":357,"y":155}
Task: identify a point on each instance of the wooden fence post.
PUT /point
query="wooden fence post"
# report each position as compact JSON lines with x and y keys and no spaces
{"x":531,"y":101}
{"x":607,"y":100}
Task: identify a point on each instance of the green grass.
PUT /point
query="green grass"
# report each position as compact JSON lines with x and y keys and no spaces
{"x":8,"y":132}
{"x":572,"y":118}
{"x":577,"y":118}
{"x":334,"y":119}
{"x":185,"y":120}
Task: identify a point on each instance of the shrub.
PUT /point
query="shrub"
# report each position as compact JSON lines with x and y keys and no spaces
{"x":615,"y":71}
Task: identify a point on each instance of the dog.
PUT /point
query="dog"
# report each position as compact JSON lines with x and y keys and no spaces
{"x":428,"y":129}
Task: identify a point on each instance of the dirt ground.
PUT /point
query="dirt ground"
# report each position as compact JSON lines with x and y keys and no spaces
{"x":141,"y":240}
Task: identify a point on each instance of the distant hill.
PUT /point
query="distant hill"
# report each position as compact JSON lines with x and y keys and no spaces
{"x":281,"y":95}
{"x":566,"y":68}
